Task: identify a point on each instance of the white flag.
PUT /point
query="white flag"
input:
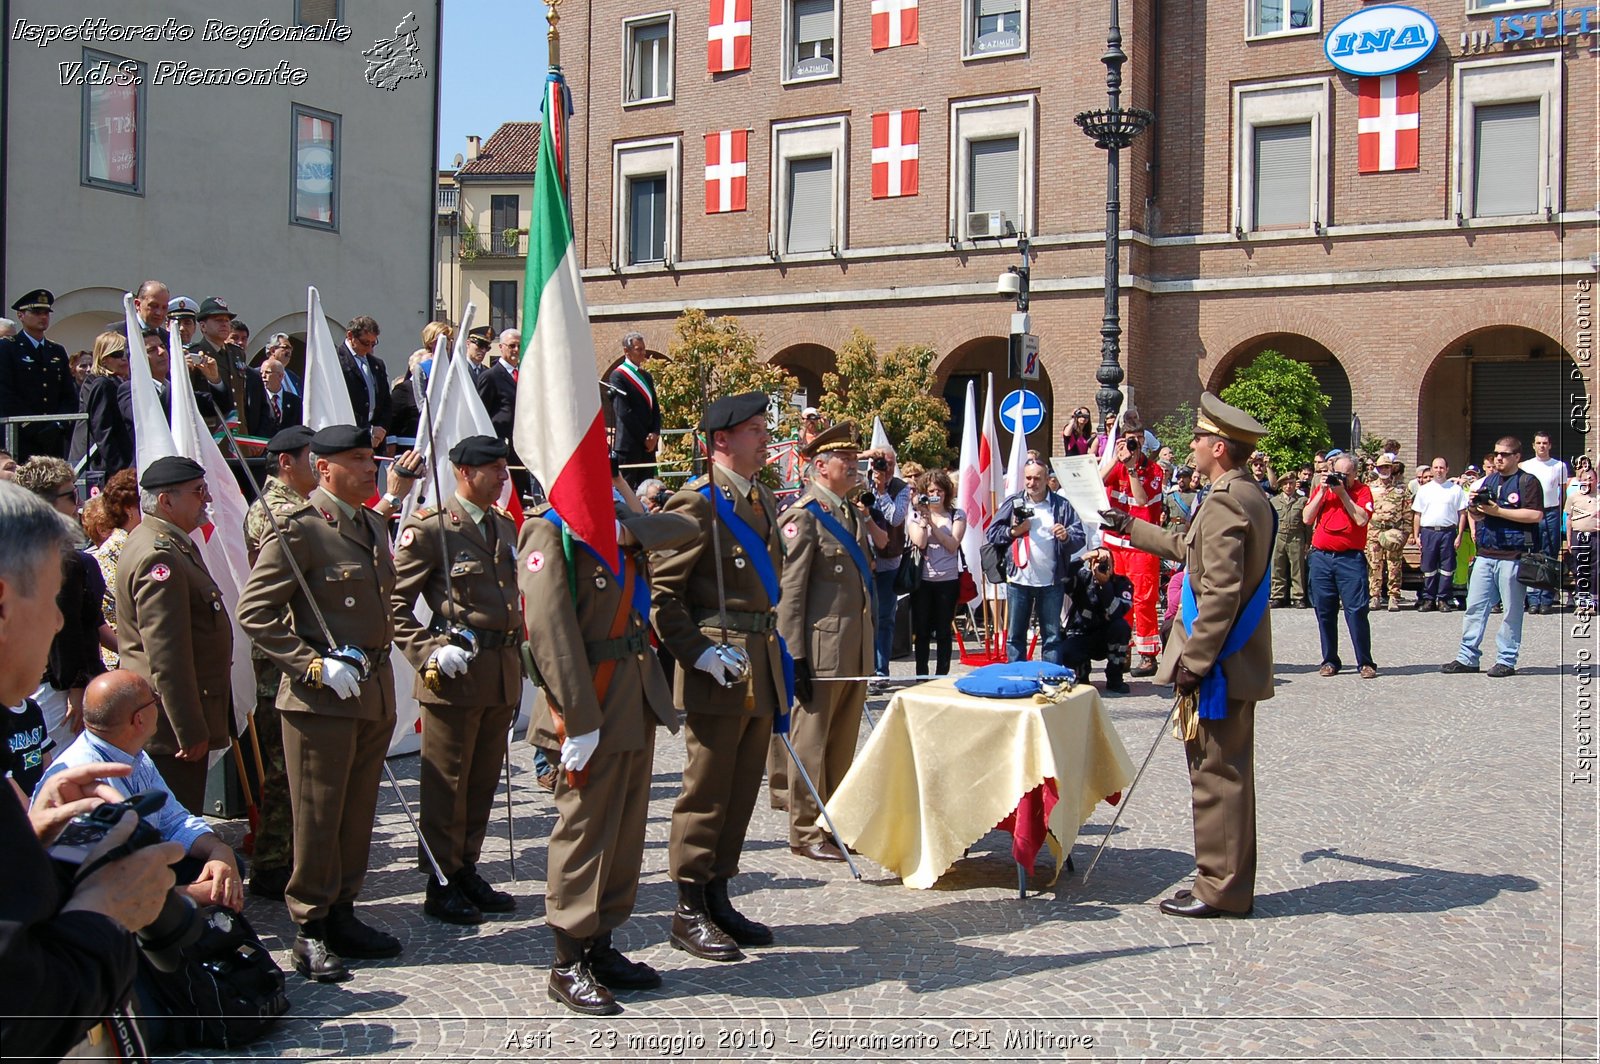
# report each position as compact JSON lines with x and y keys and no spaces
{"x":152,"y":435}
{"x":327,"y":397}
{"x":880,"y":438}
{"x":967,"y":492}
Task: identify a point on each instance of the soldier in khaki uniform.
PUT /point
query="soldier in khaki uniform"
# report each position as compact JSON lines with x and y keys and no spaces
{"x":1227,"y":553}
{"x":825,"y":615}
{"x":336,"y":725}
{"x":730,"y":692}
{"x":468,"y":701}
{"x":606,"y":694}
{"x":1387,"y":531}
{"x":285,"y":491}
{"x":1289,"y":548}
{"x":172,"y":626}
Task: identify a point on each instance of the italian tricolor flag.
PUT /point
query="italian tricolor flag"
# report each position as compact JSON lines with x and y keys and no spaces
{"x":559,"y":433}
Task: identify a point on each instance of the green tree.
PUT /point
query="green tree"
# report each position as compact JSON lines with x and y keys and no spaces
{"x":724,"y":358}
{"x":1285,"y":397}
{"x":897,"y":387}
{"x":1176,"y":430}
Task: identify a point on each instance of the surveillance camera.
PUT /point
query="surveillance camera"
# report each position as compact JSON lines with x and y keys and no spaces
{"x":1007,"y":284}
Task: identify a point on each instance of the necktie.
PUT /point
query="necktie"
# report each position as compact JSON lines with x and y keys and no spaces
{"x":277,"y":410}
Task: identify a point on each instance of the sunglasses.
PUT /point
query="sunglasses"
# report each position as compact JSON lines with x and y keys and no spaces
{"x":1507,"y":454}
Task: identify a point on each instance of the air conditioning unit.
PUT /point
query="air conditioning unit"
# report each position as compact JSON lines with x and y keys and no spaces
{"x":989,"y":224}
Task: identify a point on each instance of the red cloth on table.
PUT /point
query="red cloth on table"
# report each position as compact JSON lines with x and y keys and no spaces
{"x":1028,"y":822}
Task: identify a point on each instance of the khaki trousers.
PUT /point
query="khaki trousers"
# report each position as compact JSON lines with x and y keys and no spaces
{"x":724,"y":759}
{"x":462,"y":752}
{"x":597,"y":846}
{"x":185,"y":779}
{"x":1222,"y":782}
{"x":824,"y":734}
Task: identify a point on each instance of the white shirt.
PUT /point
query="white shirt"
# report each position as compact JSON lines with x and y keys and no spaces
{"x":1552,"y":474}
{"x":1038,"y":548}
{"x":1440,"y":505}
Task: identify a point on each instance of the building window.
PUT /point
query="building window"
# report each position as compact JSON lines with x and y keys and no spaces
{"x":112,"y":152}
{"x":1272,"y":17}
{"x":1495,"y":5}
{"x":314,"y":196}
{"x":646,"y":190}
{"x":994,"y":27}
{"x":992,"y":167}
{"x":647,"y":53}
{"x":808,"y":192}
{"x":1506,"y":144}
{"x":1280,"y":155}
{"x":503,"y":307}
{"x":504,"y":239}
{"x":811,"y":32}
{"x":317,"y":12}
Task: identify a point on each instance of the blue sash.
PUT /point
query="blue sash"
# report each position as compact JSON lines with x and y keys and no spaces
{"x":641,"y":587}
{"x":1213,"y":702}
{"x":846,"y":540}
{"x":756,"y":548}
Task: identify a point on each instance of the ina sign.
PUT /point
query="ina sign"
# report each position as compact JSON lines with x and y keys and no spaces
{"x":1385,"y":39}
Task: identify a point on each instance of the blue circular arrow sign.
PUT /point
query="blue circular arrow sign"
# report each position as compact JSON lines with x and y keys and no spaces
{"x":1021,"y":406}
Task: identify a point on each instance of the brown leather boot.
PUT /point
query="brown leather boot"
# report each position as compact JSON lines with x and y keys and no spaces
{"x":573,"y":985}
{"x":693,"y":930}
{"x":741,"y":929}
{"x":615,"y":971}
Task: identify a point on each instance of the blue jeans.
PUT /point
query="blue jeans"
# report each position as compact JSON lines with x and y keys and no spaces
{"x":883,"y":635}
{"x":1025,"y":602}
{"x":1340,"y":578}
{"x":1493,"y":580}
{"x":1550,"y":543}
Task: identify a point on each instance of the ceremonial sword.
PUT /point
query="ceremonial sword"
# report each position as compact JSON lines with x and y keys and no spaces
{"x":1127,"y":794}
{"x":350,"y":655}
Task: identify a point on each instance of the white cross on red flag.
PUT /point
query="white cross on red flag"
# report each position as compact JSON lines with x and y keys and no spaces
{"x":894,"y":22}
{"x":1390,"y":117}
{"x":728,"y":40}
{"x":727,"y":170}
{"x":894,"y":154}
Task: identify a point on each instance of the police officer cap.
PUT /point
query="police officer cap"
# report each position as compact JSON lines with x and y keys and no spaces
{"x":170,"y":470}
{"x":841,"y":437}
{"x":289,"y":440}
{"x":483,"y":334}
{"x":182,"y":307}
{"x":478,"y":450}
{"x":337,"y":439}
{"x":1222,"y":419}
{"x":212,"y":307}
{"x":38,"y":299}
{"x":732,"y":410}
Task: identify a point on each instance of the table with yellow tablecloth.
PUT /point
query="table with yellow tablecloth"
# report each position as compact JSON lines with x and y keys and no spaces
{"x":942,"y":768}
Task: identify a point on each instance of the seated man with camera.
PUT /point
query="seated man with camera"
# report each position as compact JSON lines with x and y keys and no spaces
{"x":1098,"y":605}
{"x":1040,"y":534}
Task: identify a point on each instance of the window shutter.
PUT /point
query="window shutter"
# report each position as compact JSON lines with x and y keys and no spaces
{"x":1506,"y":168}
{"x":503,"y":216}
{"x":998,"y":7}
{"x":992,"y":177}
{"x":810,"y":205}
{"x":647,"y":219}
{"x":813,"y":21}
{"x":1283,"y":175}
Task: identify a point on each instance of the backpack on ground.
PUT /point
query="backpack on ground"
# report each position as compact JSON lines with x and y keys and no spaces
{"x":227,"y":992}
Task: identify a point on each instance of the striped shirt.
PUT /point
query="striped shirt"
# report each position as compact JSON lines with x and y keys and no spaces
{"x":175,"y":823}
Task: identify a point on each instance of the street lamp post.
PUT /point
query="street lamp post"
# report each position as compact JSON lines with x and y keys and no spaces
{"x":1112,"y":129}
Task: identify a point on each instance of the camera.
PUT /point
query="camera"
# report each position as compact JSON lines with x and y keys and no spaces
{"x":660,"y":498}
{"x":178,"y":924}
{"x":1334,"y":480}
{"x":924,"y":500}
{"x":880,"y":464}
{"x":1482,"y":497}
{"x":1102,"y":566}
{"x":1020,"y":513}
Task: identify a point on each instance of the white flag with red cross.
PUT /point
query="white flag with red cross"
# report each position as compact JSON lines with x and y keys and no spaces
{"x":728,"y":39}
{"x":894,"y":153}
{"x":1389,"y":123}
{"x":894,"y":22}
{"x":727,"y":170}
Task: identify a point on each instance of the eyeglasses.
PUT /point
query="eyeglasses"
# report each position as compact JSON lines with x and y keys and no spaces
{"x":1507,"y":454}
{"x":155,"y":700}
{"x":68,"y":492}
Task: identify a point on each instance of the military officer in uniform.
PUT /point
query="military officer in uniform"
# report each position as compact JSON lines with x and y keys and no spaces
{"x":825,"y":616}
{"x":469,"y":699}
{"x":1226,"y":552}
{"x":1289,"y":549}
{"x":606,"y":694}
{"x":337,"y":716}
{"x":1387,"y":531}
{"x":731,"y":690}
{"x":35,"y":378}
{"x":285,"y":491}
{"x":216,"y":328}
{"x":172,"y":626}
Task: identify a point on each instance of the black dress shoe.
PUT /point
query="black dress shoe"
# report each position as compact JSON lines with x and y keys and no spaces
{"x":269,"y":882}
{"x":818,"y":851}
{"x":574,"y":986}
{"x":693,"y":930}
{"x":478,"y":891}
{"x":741,"y":929}
{"x":1194,"y":908}
{"x":615,"y":971}
{"x":312,"y":957}
{"x":349,"y":937}
{"x":451,"y":905}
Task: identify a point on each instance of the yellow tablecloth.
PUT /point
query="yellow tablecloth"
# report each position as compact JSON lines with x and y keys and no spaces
{"x":943,"y":768}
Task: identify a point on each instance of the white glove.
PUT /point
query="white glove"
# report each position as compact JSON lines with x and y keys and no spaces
{"x":340,"y":677}
{"x":577,"y":750}
{"x":715,"y":665}
{"x":451,"y":660}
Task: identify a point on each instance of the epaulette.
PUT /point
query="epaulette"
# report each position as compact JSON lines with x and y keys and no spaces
{"x":424,"y":513}
{"x":161,"y":543}
{"x":539,"y":510}
{"x":697,"y":483}
{"x":503,"y":512}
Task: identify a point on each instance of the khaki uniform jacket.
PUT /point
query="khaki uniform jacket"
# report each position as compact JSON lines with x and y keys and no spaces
{"x":485,"y":586}
{"x":685,"y":591}
{"x":173,"y":629}
{"x":284,"y":501}
{"x":346,"y":562}
{"x":825,"y":614}
{"x":1291,"y":508}
{"x":561,"y":630}
{"x":1227,"y":551}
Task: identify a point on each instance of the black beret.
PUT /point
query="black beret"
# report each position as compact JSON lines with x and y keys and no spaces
{"x":169,"y":470}
{"x":337,"y":439}
{"x":287,"y":441}
{"x":478,"y":450}
{"x":733,"y":410}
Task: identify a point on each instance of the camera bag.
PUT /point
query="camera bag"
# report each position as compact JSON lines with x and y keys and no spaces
{"x":227,"y":992}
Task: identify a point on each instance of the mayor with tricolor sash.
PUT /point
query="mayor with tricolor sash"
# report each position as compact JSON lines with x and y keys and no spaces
{"x":1221,"y":654}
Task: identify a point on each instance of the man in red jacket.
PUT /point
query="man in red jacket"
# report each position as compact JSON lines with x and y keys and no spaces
{"x":1133,"y":484}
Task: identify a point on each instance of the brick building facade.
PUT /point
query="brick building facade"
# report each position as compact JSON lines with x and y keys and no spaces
{"x":1441,"y":304}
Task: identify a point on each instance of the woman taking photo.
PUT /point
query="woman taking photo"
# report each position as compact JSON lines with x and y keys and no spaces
{"x":1078,"y":436}
{"x":935,"y":528}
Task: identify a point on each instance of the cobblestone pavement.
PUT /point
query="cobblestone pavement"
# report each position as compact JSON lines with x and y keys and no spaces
{"x":1426,"y":891}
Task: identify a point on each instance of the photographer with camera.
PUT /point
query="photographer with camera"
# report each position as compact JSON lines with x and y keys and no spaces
{"x":1133,"y":485}
{"x":1337,"y":512}
{"x":66,"y":951}
{"x":890,"y":501}
{"x":1040,"y":533}
{"x":935,"y":527}
{"x":1099,"y":600}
